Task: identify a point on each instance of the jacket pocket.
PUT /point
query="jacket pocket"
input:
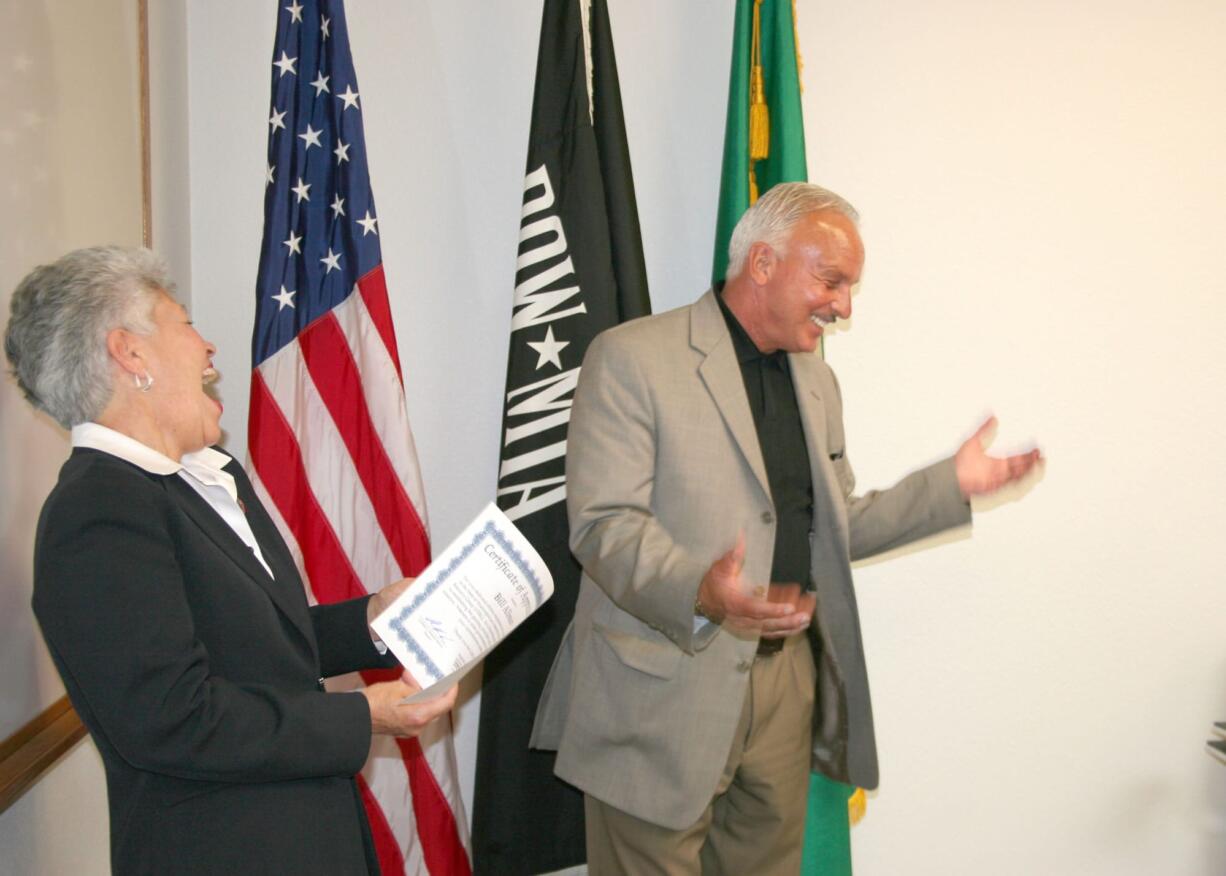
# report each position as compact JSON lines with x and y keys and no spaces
{"x":658,"y":659}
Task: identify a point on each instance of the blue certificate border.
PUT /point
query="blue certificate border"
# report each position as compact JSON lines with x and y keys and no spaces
{"x":486,"y":533}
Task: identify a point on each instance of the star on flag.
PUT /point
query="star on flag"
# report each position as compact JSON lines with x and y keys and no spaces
{"x":548,"y":350}
{"x":350,"y":97}
{"x":284,"y":299}
{"x":286,"y":64}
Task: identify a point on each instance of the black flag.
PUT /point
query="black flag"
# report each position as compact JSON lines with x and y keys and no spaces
{"x":580,"y":270}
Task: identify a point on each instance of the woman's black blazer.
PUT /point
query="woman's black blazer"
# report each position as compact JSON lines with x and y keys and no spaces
{"x":199,"y":677}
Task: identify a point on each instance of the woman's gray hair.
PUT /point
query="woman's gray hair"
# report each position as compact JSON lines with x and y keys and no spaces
{"x":59,"y":319}
{"x":772,"y":217}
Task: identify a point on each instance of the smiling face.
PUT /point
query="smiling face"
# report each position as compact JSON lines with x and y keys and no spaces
{"x":809,"y":285}
{"x":181,"y":364}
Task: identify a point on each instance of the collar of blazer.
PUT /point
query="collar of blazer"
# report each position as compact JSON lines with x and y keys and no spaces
{"x":721,"y":374}
{"x":285,"y":590}
{"x":809,"y":375}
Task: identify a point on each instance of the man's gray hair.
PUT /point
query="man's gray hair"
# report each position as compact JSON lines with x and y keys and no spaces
{"x":772,"y":217}
{"x":59,"y":319}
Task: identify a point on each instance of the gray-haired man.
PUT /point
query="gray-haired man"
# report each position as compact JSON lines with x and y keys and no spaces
{"x":715,"y":652}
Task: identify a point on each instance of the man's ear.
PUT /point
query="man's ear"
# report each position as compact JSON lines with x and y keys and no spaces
{"x":124,"y":349}
{"x":761,"y":261}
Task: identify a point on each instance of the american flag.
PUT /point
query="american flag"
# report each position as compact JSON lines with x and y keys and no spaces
{"x":328,"y":435}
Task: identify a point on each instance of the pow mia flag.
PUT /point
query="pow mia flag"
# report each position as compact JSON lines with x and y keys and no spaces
{"x":579,"y":271}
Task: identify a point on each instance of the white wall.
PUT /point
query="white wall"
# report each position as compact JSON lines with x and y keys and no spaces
{"x":1044,"y":187}
{"x":171,"y":152}
{"x":1044,"y":195}
{"x":70,"y":148}
{"x":72,"y":179}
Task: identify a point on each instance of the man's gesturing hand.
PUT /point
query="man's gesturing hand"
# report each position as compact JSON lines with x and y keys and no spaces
{"x":723,"y":600}
{"x":390,"y":717}
{"x":979,"y":473}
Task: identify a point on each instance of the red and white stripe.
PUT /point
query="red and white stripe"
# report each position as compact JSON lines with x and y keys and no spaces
{"x":334,"y":462}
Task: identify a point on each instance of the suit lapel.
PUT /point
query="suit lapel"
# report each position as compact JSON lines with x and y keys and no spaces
{"x":281,"y":590}
{"x":826,"y":488}
{"x":272,"y":544}
{"x":721,"y":374}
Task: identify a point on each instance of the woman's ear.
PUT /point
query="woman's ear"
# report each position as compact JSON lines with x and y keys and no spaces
{"x":124,"y":349}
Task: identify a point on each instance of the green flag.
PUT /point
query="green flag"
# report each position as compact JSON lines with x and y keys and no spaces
{"x":764,"y":144}
{"x":827,"y":850}
{"x":764,"y":74}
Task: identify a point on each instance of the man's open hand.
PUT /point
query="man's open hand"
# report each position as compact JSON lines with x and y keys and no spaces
{"x":980,"y":474}
{"x":723,"y":598}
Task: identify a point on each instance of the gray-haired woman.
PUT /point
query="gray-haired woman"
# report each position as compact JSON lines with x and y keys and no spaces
{"x":171,"y":605}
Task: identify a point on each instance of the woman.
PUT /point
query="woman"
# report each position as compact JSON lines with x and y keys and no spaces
{"x":172,"y":607}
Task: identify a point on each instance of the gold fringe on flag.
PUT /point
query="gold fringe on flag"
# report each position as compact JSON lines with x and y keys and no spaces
{"x":857,"y":805}
{"x":800,"y":62}
{"x":759,"y":113}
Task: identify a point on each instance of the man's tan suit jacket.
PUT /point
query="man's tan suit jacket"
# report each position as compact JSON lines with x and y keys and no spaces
{"x":663,"y":471}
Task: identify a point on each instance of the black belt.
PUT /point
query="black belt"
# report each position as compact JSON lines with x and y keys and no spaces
{"x":770,"y":647}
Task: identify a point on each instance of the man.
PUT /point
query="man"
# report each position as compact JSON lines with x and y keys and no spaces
{"x":706,"y":458}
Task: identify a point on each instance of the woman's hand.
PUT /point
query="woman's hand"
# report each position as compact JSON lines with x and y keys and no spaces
{"x":390,"y":716}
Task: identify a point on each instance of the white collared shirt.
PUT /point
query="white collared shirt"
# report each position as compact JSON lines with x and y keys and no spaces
{"x":202,"y":470}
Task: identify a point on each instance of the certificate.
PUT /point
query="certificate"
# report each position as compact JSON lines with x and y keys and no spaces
{"x":480,"y":588}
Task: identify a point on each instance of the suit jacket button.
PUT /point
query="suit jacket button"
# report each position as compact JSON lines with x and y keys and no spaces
{"x":768,"y":517}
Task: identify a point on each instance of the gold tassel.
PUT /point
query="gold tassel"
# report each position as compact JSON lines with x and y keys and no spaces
{"x":800,"y":62}
{"x":759,"y":114}
{"x":857,"y":805}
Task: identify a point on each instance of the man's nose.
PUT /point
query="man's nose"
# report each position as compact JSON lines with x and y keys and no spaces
{"x":842,"y":301}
